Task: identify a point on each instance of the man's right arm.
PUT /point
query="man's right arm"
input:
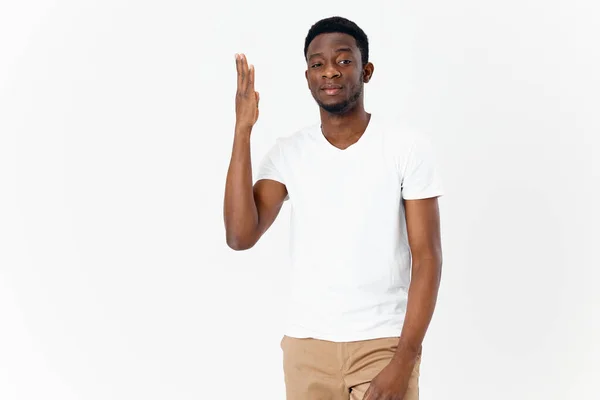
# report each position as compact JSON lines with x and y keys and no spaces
{"x":248,"y":211}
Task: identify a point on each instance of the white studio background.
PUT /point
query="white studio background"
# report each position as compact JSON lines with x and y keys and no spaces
{"x":116,"y":123}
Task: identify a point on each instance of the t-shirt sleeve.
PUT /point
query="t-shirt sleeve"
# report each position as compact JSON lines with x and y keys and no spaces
{"x":421,"y":178}
{"x":271,"y":165}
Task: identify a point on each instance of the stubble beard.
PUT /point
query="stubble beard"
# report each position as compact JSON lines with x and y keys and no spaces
{"x":344,"y":106}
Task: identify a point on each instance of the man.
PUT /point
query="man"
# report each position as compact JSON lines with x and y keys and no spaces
{"x":364,"y":204}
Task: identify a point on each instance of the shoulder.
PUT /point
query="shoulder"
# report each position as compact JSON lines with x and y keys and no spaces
{"x":298,"y":139}
{"x":399,"y":137}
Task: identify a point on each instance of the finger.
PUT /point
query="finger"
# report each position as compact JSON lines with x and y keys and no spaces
{"x":244,"y":64}
{"x":238,"y":67}
{"x":369,"y":394}
{"x":251,"y":78}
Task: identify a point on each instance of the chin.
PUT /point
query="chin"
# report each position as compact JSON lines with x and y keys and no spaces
{"x":341,"y":106}
{"x":337,"y":108}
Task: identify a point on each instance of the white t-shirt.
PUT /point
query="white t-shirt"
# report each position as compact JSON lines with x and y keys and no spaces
{"x":350,"y":255}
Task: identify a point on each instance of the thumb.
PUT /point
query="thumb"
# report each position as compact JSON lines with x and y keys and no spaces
{"x":257,"y":97}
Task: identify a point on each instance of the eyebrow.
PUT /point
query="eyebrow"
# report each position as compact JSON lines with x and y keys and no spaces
{"x":340,"y":50}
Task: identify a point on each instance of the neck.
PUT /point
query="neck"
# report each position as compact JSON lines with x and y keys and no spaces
{"x":340,"y":127}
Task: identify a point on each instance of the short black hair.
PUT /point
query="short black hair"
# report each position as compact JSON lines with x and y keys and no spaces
{"x":339,"y":25}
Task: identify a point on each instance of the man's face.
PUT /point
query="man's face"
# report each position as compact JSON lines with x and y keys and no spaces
{"x":335,"y":74}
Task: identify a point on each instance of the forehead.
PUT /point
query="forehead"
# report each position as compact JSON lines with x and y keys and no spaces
{"x":330,"y":41}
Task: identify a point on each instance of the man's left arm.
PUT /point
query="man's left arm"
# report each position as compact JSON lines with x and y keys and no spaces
{"x":423,"y":227}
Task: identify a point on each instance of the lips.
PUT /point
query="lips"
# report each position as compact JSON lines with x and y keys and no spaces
{"x":331,"y":86}
{"x":331,"y":89}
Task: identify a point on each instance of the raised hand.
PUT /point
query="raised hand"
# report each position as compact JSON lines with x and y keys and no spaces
{"x":246,"y":99}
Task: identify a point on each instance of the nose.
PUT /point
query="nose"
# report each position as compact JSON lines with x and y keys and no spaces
{"x":330,"y":71}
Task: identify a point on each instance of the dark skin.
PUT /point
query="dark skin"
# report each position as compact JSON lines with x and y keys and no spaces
{"x":334,"y":59}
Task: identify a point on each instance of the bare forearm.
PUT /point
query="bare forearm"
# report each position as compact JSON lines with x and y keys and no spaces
{"x":422,"y":297}
{"x":240,"y":212}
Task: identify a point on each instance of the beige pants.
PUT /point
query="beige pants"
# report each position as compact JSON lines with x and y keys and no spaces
{"x":322,"y":370}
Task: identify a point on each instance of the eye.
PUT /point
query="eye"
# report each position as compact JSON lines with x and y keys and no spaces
{"x":346,"y":61}
{"x":315,"y":65}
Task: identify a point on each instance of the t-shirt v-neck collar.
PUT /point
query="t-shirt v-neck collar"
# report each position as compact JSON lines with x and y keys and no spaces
{"x":359,"y":143}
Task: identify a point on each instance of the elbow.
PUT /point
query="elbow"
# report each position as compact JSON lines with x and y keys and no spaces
{"x":240,"y":236}
{"x":238,"y":243}
{"x":237,"y":246}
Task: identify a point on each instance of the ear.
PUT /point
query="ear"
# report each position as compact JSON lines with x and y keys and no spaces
{"x":368,"y":72}
{"x":306,"y":76}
